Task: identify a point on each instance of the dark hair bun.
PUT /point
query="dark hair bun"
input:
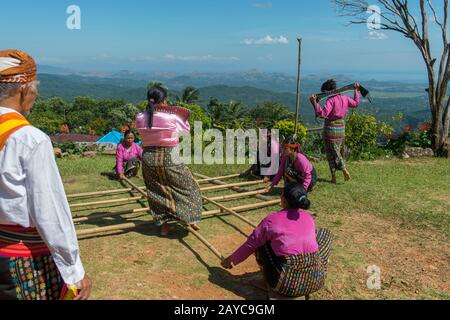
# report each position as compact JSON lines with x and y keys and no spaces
{"x":296,"y":196}
{"x":329,"y":85}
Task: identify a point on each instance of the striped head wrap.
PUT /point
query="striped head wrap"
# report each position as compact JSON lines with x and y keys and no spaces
{"x":16,"y":67}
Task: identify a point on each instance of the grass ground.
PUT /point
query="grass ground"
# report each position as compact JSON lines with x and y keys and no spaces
{"x":394,"y":214}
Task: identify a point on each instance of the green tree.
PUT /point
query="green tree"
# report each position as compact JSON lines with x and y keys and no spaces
{"x":189,"y":95}
{"x":266,"y":114}
{"x":287,"y":128}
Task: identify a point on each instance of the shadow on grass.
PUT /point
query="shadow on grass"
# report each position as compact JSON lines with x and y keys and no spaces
{"x":230,"y":282}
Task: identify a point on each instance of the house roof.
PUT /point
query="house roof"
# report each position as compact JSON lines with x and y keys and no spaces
{"x":73,"y":137}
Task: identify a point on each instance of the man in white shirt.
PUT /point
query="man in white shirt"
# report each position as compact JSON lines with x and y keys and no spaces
{"x":39,"y":253}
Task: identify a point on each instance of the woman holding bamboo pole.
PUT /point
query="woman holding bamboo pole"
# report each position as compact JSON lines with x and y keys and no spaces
{"x":173,"y":194}
{"x":334,"y":112}
{"x":293,"y":257}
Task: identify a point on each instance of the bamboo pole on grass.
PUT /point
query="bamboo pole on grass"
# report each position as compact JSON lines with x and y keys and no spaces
{"x":232,"y":185}
{"x":111,"y":201}
{"x":234,"y":213}
{"x":239,"y":195}
{"x":99,"y":216}
{"x":237,"y":189}
{"x":188,"y":228}
{"x":206,"y":214}
{"x":100,"y":193}
{"x":219,"y":178}
{"x":115,"y":191}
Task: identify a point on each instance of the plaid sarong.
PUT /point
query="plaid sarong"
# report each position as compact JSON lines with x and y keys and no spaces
{"x":299,"y":275}
{"x":334,"y":138}
{"x":173,"y":194}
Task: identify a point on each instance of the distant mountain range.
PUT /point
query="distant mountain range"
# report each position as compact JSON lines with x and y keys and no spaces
{"x":250,"y":88}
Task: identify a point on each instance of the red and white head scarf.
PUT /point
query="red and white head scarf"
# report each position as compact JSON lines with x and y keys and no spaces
{"x":16,"y":67}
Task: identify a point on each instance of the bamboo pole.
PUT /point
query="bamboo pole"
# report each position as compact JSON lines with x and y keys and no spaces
{"x":239,"y":195}
{"x":188,"y":228}
{"x":237,"y":189}
{"x":228,"y":186}
{"x":206,"y":214}
{"x":135,"y":187}
{"x":90,"y":204}
{"x":115,"y":191}
{"x":298,"y":99}
{"x":234,"y":213}
{"x":219,"y":178}
{"x":120,"y":227}
{"x":206,"y":243}
{"x":100,"y":193}
{"x":99,"y":216}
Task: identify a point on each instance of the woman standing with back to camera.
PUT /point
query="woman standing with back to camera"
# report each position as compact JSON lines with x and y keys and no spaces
{"x":334,"y":112}
{"x":173,"y":194}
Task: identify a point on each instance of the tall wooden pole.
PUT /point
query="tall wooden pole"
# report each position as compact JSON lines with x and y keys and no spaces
{"x":297,"y":112}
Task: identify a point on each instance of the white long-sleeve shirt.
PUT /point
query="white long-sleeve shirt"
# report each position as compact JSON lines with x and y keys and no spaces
{"x":32,"y":196}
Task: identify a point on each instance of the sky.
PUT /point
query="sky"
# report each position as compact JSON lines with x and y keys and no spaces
{"x":206,"y":36}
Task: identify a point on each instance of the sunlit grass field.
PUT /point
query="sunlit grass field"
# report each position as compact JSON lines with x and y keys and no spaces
{"x":394,"y":214}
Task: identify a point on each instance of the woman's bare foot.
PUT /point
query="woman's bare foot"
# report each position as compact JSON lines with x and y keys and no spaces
{"x":333,"y":179}
{"x":165,"y":230}
{"x":347,"y":175}
{"x":195,"y":227}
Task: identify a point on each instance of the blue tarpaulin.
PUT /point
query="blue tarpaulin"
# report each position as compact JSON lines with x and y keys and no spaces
{"x":113,"y":137}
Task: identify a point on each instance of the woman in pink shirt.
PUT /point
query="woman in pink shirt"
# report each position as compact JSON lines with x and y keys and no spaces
{"x":295,"y":167}
{"x":128,"y":156}
{"x":173,"y":194}
{"x":293,"y":257}
{"x":335,"y":110}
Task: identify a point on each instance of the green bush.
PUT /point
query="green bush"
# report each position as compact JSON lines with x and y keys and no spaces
{"x":287,"y":128}
{"x":420,"y":137}
{"x":198,"y":114}
{"x":363,"y":132}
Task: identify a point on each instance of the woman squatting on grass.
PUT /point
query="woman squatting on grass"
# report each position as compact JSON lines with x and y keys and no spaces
{"x":128,"y":156}
{"x":292,"y":255}
{"x":295,"y":167}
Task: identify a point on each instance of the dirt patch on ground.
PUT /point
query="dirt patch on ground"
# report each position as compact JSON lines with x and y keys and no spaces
{"x":444,"y":198}
{"x":412,"y":262}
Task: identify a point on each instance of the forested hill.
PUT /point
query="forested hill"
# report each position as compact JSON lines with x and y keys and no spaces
{"x":250,"y":89}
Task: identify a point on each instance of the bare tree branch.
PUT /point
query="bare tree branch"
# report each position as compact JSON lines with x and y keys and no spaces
{"x":398,"y":17}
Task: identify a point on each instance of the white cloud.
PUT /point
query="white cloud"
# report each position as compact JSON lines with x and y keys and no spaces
{"x":266,"y":40}
{"x":199,"y":58}
{"x":260,"y":5}
{"x":374,"y":35}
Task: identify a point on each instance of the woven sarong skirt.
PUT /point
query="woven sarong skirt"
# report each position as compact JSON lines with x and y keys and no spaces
{"x":173,"y":194}
{"x":334,"y":138}
{"x":300,"y":275}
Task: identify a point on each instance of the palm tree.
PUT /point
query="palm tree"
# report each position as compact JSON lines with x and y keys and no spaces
{"x":153,"y":84}
{"x":190,"y":95}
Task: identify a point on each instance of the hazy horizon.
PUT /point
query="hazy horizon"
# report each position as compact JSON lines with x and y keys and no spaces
{"x":409,"y":77}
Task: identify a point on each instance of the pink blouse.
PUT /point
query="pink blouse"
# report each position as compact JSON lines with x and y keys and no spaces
{"x":337,"y":106}
{"x":168,"y":124}
{"x":302,"y":165}
{"x":290,"y":232}
{"x":123,"y":155}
